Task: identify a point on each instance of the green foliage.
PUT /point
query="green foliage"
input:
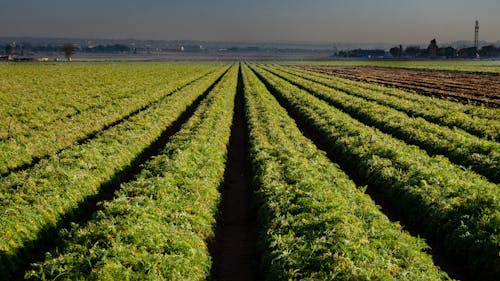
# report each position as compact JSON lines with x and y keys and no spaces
{"x":486,"y":66}
{"x":450,"y":205}
{"x":34,"y":201}
{"x":315,"y":223}
{"x":430,"y":108}
{"x":477,"y":120}
{"x":45,"y":109}
{"x":462,"y":148}
{"x":157,"y":226}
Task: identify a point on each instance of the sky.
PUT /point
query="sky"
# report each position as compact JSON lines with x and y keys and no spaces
{"x":388,"y":21}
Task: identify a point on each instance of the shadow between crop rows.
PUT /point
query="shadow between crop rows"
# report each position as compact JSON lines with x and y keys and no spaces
{"x":234,"y":248}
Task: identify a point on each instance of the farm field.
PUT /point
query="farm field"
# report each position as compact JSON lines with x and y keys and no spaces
{"x":249,"y":171}
{"x":486,"y":66}
{"x":462,"y":87}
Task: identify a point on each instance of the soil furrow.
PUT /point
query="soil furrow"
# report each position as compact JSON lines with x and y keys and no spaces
{"x":234,"y":248}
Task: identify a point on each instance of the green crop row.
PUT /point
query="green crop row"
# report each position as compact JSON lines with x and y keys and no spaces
{"x":157,"y":226}
{"x":34,"y":201}
{"x":479,"y":121}
{"x":316,"y":225}
{"x":61,"y":133}
{"x":452,"y":206}
{"x":34,"y":95}
{"x":481,"y":155}
{"x":424,"y":101}
{"x":472,"y":66}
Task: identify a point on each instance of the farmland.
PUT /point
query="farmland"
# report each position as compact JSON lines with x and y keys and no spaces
{"x":471,"y":66}
{"x":249,"y":171}
{"x":456,"y":86}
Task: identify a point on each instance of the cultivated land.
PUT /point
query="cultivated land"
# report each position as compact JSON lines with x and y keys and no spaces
{"x":463,"y":87}
{"x":473,"y":66}
{"x":177,"y":171}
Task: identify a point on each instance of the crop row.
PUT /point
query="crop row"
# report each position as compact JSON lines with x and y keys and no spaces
{"x":470,"y":66}
{"x":421,"y":100}
{"x":479,"y":121}
{"x":481,"y":155}
{"x":35,"y":201}
{"x":157,"y":226}
{"x":64,"y":132}
{"x":315,"y":223}
{"x":450,"y":205}
{"x":35,"y":96}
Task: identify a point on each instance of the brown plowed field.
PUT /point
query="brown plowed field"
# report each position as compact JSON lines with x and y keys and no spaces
{"x":463,"y":87}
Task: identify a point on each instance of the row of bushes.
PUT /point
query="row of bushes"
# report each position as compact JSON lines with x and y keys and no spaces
{"x":157,"y":226}
{"x":476,"y":120}
{"x":450,"y":205}
{"x":315,"y":223}
{"x":33,"y":202}
{"x":460,"y":147}
{"x":92,"y":116}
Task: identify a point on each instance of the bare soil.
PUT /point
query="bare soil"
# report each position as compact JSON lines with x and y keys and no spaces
{"x":234,"y":250}
{"x":475,"y":88}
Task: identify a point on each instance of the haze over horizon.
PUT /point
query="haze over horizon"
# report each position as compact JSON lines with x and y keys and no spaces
{"x":395,"y":21}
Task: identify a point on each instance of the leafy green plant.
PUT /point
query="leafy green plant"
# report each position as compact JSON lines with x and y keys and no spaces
{"x":453,"y":206}
{"x":34,"y":201}
{"x":157,"y":226}
{"x":315,"y":223}
{"x":460,"y":147}
{"x":45,"y":123}
{"x":478,"y":120}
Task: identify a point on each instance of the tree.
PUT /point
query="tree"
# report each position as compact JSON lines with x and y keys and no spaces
{"x":69,"y":50}
{"x":395,"y":52}
{"x":432,"y":49}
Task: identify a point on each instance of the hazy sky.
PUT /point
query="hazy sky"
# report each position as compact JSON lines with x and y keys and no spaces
{"x":405,"y":21}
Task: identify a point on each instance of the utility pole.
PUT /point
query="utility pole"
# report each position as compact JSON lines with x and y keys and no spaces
{"x":476,"y":39}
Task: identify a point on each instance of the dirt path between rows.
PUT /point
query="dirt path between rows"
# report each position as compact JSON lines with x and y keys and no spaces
{"x":234,"y":250}
{"x":480,"y":89}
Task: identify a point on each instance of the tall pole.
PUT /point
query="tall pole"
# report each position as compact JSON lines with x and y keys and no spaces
{"x":476,"y":39}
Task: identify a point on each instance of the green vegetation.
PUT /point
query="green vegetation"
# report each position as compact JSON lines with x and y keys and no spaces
{"x":479,"y":121}
{"x":93,"y":173}
{"x":157,"y":225}
{"x":316,"y":224}
{"x":44,"y":115}
{"x":34,"y":201}
{"x":449,"y":204}
{"x":462,"y":148}
{"x":488,"y":66}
